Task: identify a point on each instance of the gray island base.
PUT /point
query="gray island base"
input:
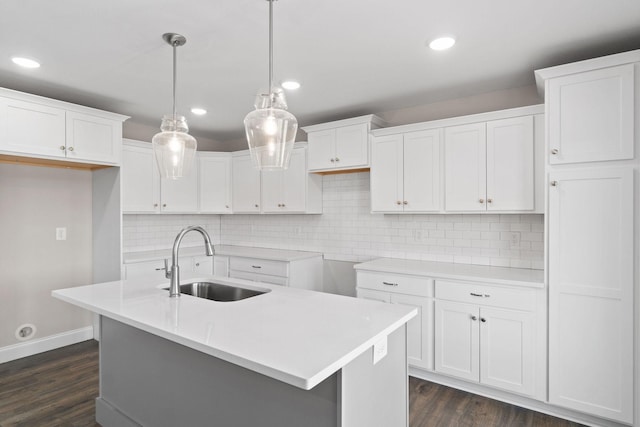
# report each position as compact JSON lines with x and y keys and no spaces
{"x":147,"y":380}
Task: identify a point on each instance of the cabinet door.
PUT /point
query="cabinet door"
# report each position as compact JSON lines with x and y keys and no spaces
{"x":180,"y":195}
{"x":591,"y":281}
{"x":457,"y":340}
{"x":373,"y":295}
{"x":507,"y":349}
{"x":591,"y":115}
{"x":419,"y":330}
{"x":322,"y":147}
{"x":294,"y":184}
{"x":246,"y":186}
{"x":465,"y":168}
{"x":352,"y":146}
{"x":510,"y":157}
{"x":387,"y":174}
{"x":93,"y":138}
{"x":422,"y":171}
{"x":203,"y":265}
{"x":214,"y":184}
{"x":140,"y":180}
{"x":221,"y":265}
{"x":32,"y":128}
{"x":272,"y":183}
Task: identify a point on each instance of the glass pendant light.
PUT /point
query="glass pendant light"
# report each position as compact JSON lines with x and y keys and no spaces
{"x":174,"y":148}
{"x":271,"y":129}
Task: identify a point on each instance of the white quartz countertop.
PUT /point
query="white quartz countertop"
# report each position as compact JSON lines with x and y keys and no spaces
{"x":467,"y":272}
{"x":296,"y":336}
{"x":228,"y":250}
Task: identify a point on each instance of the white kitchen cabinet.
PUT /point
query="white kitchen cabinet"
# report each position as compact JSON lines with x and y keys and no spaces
{"x":202,"y":265}
{"x":341,"y":145}
{"x":591,"y":285}
{"x":94,"y":139}
{"x":493,"y":341}
{"x":221,"y":265}
{"x":301,"y":273}
{"x":411,"y":291}
{"x":292,"y":190}
{"x":180,"y":195}
{"x":214,"y":182}
{"x":154,"y":269}
{"x":143,"y":191}
{"x":490,"y":166}
{"x":405,"y":172}
{"x":591,"y":115}
{"x":45,"y":128}
{"x":140,"y":178}
{"x":245,"y":184}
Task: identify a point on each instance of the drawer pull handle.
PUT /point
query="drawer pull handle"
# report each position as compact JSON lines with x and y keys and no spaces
{"x":475,"y":295}
{"x":256,"y":266}
{"x":389,"y":284}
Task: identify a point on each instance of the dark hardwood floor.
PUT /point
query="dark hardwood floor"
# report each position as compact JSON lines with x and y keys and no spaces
{"x":58,"y":388}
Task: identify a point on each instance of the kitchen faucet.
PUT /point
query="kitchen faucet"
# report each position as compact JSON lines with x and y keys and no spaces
{"x":174,"y":273}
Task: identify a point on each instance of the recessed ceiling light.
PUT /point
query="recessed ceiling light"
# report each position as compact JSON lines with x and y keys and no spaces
{"x":291,"y":85}
{"x":199,"y":111}
{"x":442,"y":43}
{"x":25,"y":62}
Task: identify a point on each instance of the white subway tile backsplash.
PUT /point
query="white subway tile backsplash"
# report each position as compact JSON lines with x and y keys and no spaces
{"x":347,"y":231}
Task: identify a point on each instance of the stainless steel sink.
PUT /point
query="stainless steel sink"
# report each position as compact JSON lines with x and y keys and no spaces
{"x":218,"y":292}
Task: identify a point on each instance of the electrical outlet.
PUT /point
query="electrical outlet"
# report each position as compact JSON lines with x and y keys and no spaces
{"x":514,"y":238}
{"x":61,"y":233}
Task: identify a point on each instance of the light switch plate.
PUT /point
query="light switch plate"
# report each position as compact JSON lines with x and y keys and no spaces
{"x":61,"y":233}
{"x":379,"y":350}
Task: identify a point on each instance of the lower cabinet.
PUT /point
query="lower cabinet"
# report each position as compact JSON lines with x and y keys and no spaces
{"x":155,"y":269}
{"x":491,"y":341}
{"x":303,"y":273}
{"x":411,"y":291}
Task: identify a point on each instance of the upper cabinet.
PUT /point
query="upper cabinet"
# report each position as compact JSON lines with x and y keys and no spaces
{"x":490,"y":166}
{"x":32,"y":126}
{"x":207,"y":188}
{"x":341,"y":145}
{"x":405,"y":172}
{"x":490,"y":162}
{"x":590,"y":114}
{"x":288,"y":191}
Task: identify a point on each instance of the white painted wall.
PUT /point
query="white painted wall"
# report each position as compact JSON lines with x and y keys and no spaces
{"x":33,"y":202}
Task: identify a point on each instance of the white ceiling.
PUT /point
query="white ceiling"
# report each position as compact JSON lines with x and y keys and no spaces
{"x":352,"y":57}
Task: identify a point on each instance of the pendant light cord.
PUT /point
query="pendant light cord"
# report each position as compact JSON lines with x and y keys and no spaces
{"x":175,"y":72}
{"x":271,"y":94}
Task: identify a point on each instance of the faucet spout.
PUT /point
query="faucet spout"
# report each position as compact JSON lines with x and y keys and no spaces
{"x":174,"y":273}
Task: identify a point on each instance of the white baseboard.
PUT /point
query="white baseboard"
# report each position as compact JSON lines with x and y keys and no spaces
{"x":29,"y":348}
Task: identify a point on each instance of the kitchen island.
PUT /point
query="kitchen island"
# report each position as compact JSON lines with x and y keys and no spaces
{"x":288,"y":357}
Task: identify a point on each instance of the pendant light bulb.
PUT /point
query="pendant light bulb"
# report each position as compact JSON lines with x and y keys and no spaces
{"x":173,"y":147}
{"x":270,"y":128}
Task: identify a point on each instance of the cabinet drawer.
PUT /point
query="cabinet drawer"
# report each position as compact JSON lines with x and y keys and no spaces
{"x":488,"y":295}
{"x":259,"y":266}
{"x":275,"y":280}
{"x":397,"y":283}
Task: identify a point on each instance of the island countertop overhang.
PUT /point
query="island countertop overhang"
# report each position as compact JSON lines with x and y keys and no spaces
{"x":295,"y":336}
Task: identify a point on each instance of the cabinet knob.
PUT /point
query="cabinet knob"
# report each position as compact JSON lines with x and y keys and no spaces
{"x":198,"y":265}
{"x":226,"y":206}
{"x":482,"y":319}
{"x":62,"y":147}
{"x":283,"y":205}
{"x":333,"y":160}
{"x":255,"y":206}
{"x":164,"y":205}
{"x":155,"y":205}
{"x":337,"y":159}
{"x":489,"y":200}
{"x":398,"y":202}
{"x":554,"y":151}
{"x":405,"y":202}
{"x":474,"y":318}
{"x":481,"y":200}
{"x":554,"y":183}
{"x":70,"y":149}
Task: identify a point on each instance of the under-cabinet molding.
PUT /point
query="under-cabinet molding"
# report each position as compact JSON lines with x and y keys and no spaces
{"x":47,"y":129}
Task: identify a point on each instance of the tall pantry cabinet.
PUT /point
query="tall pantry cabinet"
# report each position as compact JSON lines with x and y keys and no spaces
{"x":593,"y":225}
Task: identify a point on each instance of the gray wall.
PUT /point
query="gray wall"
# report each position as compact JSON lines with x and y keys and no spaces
{"x":33,"y":202}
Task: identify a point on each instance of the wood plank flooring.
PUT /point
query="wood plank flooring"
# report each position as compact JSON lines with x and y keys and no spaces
{"x":58,"y":388}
